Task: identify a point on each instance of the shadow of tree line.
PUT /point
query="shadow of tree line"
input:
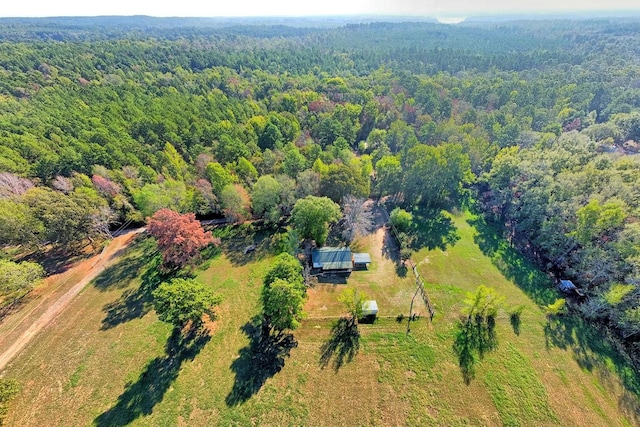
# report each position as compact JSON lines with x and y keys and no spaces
{"x":140,"y":397}
{"x":235,"y":240}
{"x":595,"y":351}
{"x":513,"y":265}
{"x":142,"y":260}
{"x":266,"y":354}
{"x":432,"y":229}
{"x":133,"y":303}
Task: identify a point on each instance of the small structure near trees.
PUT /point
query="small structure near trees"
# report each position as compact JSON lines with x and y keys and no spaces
{"x":361,"y":261}
{"x":369,"y":310}
{"x":338,"y":259}
{"x":567,"y":286}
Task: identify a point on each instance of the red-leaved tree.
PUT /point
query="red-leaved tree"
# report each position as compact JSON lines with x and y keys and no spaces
{"x":180,"y":237}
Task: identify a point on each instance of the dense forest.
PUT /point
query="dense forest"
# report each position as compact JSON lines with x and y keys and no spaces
{"x":535,"y":123}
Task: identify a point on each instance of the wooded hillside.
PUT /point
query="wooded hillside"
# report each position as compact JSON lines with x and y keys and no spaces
{"x":103,"y":123}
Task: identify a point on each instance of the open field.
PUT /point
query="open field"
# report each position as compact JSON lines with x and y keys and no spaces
{"x":108,"y":361}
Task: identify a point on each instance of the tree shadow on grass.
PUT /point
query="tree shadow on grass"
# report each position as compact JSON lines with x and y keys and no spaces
{"x":516,"y":322}
{"x":135,"y":303}
{"x":342,"y":346}
{"x":432,"y":230}
{"x":390,"y":248}
{"x":236,"y":239}
{"x":596,"y":352}
{"x":513,"y":265}
{"x":132,"y":304}
{"x":140,"y":397}
{"x":263,"y":358}
{"x":57,"y":260}
{"x":474,"y":338}
{"x":121,"y":274}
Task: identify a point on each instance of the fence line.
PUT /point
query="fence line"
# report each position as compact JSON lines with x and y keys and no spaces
{"x":419,"y":281}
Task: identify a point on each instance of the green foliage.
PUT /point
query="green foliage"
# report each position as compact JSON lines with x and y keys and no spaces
{"x":169,"y":194}
{"x":312,"y":215}
{"x":617,"y":292}
{"x":18,"y":224}
{"x":352,"y":299}
{"x":483,"y":304}
{"x":595,"y":219}
{"x":556,"y":308}
{"x":246,"y":171}
{"x":401,"y":219}
{"x":8,"y":389}
{"x":265,"y":198}
{"x":174,"y":165}
{"x":67,"y":219}
{"x":183,"y":301}
{"x":629,"y":322}
{"x":448,"y":170}
{"x":294,"y":162}
{"x":218,"y":176}
{"x":142,"y":111}
{"x":18,"y":277}
{"x":342,"y":180}
{"x":282,"y":304}
{"x":389,"y":175}
{"x":235,"y":203}
{"x":287,"y":268}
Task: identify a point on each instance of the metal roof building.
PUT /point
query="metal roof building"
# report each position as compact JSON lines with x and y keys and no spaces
{"x":332,"y":258}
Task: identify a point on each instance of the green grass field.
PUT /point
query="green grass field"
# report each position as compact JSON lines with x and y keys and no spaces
{"x":108,"y":361}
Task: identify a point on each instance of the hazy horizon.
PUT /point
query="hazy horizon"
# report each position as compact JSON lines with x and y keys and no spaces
{"x":328,"y":8}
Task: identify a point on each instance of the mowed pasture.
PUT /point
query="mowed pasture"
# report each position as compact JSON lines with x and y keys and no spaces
{"x":108,"y":361}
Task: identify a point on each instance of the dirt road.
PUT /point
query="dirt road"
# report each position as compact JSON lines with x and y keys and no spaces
{"x":25,"y":326}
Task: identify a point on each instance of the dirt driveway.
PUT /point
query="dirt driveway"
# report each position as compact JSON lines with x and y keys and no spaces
{"x":19,"y":328}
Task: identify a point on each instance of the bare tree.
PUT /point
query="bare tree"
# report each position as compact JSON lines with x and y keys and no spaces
{"x":63,"y":184}
{"x":358,"y":218}
{"x":13,"y":185}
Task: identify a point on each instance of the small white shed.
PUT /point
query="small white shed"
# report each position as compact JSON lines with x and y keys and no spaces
{"x":369,"y":308}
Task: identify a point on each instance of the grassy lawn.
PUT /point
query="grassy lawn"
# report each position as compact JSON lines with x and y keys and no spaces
{"x":109,"y":361}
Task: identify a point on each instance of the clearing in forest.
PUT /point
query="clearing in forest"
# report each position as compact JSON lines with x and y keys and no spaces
{"x":108,"y":360}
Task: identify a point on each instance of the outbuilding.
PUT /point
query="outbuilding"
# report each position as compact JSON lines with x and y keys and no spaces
{"x":361,"y":261}
{"x":332,"y":259}
{"x":369,"y":309}
{"x":338,"y":259}
{"x":567,"y":286}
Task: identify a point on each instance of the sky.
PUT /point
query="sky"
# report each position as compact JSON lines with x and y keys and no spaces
{"x":212,"y":8}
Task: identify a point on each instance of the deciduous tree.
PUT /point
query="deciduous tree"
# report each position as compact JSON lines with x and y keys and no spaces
{"x":357,"y":219}
{"x":18,"y":276}
{"x":353,"y":299}
{"x":312,"y":215}
{"x":180,"y":237}
{"x":181,"y":301}
{"x":282,"y":304}
{"x":285,"y":267}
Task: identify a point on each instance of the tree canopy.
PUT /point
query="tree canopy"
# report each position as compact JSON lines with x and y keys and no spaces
{"x":312,"y":215}
{"x":180,"y":237}
{"x":182,"y":301}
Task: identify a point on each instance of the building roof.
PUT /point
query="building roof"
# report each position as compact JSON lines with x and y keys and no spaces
{"x":567,"y":285}
{"x":361,"y":258}
{"x":332,"y":258}
{"x":369,"y":308}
